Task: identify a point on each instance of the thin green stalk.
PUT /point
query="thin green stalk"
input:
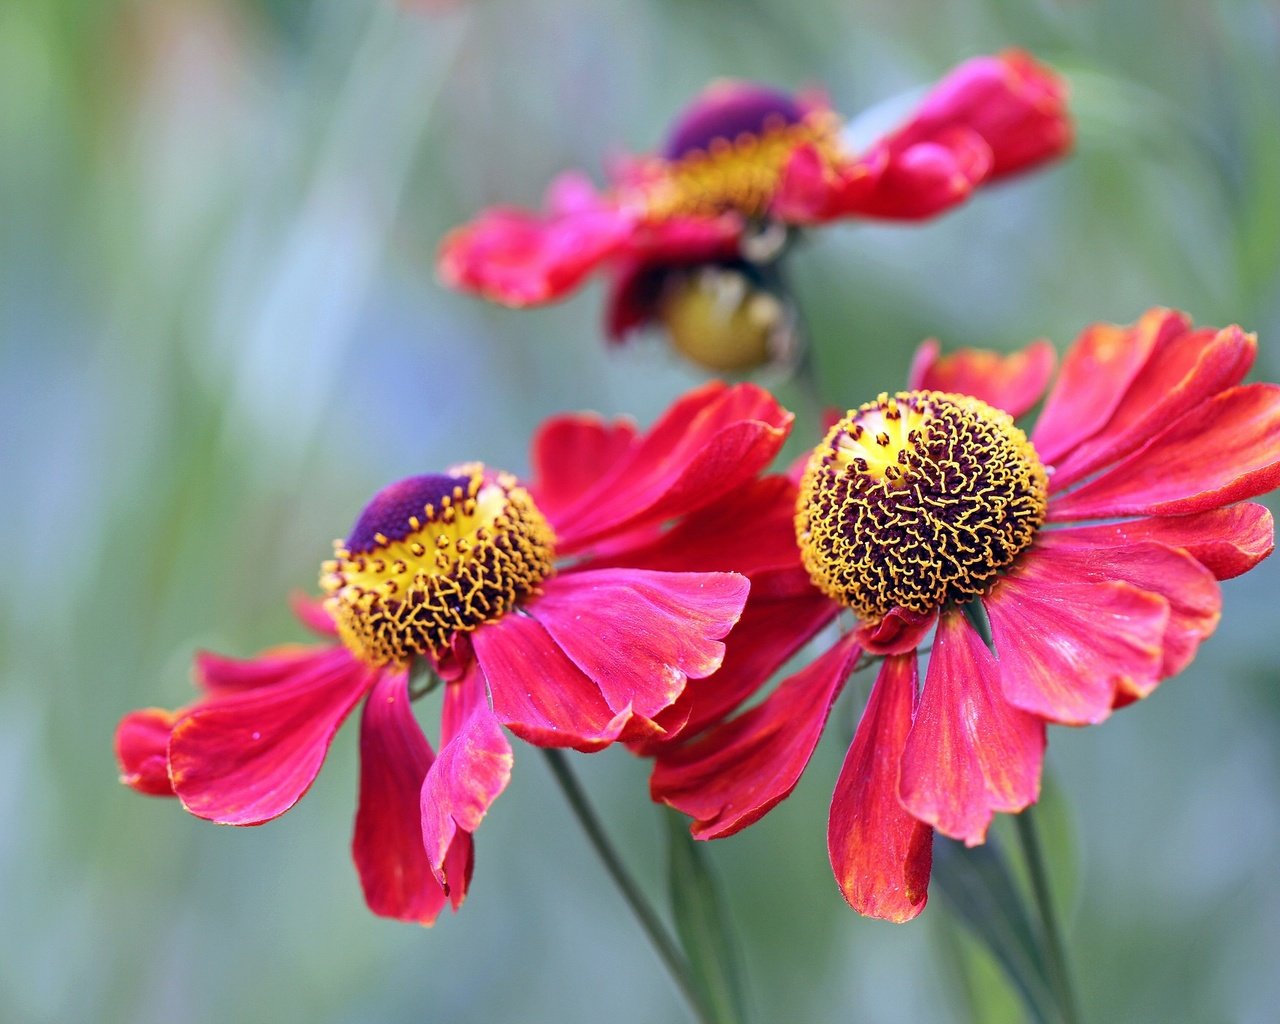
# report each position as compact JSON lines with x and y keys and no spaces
{"x":1055,"y":948}
{"x":666,"y":947}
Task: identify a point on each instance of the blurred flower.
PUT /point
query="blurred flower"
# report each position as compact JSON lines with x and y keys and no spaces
{"x":465,"y":573}
{"x":743,"y":167}
{"x":1090,"y":551}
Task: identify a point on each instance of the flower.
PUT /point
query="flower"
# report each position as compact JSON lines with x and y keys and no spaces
{"x":743,"y":166}
{"x":1091,"y":547}
{"x":523,"y":603}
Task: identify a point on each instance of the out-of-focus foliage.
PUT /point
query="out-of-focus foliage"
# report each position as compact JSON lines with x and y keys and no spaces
{"x":221,"y":332}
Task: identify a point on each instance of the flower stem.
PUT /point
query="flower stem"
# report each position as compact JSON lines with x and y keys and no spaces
{"x":1055,"y":948}
{"x":666,"y":947}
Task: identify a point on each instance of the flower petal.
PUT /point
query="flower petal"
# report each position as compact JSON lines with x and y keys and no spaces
{"x":471,"y":772}
{"x":311,"y":612}
{"x":388,"y":848}
{"x":538,"y":693}
{"x":1222,"y":451}
{"x":880,"y":854}
{"x":571,"y":453}
{"x":709,"y":442}
{"x":734,"y":774}
{"x":1186,"y":370}
{"x":1097,"y":371}
{"x":778,"y":620}
{"x":1012,"y":382}
{"x":142,"y":750}
{"x":219,"y":674}
{"x":520,"y":258}
{"x":970,"y":752}
{"x":639,"y":635}
{"x":1226,"y":541}
{"x":1066,"y":647}
{"x":244,"y":758}
{"x":1193,"y":596}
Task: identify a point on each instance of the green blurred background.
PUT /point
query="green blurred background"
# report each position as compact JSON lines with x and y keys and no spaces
{"x":221,"y":333}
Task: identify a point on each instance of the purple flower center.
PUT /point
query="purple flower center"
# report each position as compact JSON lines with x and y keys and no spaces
{"x":390,"y":510}
{"x":726,"y":111}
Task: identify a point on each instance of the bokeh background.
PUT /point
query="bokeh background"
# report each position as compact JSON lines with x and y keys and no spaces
{"x":222,"y":332}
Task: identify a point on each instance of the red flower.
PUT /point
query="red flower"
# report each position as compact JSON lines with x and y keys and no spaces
{"x":1093,"y":549}
{"x":743,"y":155}
{"x":465,"y":572}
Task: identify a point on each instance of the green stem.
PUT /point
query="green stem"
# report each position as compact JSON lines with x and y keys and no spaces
{"x":665,"y":946}
{"x":1055,"y":948}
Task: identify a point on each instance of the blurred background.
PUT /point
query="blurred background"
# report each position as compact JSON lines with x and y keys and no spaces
{"x":221,"y":332}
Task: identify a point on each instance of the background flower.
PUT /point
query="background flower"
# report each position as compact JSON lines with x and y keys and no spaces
{"x":220,"y":324}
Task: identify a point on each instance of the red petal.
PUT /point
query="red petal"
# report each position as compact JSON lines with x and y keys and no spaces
{"x":880,"y":854}
{"x":734,"y":774}
{"x":899,"y":632}
{"x":1096,"y":373}
{"x":1194,"y":598}
{"x":1012,"y":382}
{"x":1222,"y":451}
{"x":571,"y":453}
{"x":772,"y":628}
{"x":1014,"y":104}
{"x":639,"y":635}
{"x":970,"y":752}
{"x":1226,"y":541}
{"x":219,"y":674}
{"x":1067,"y":647}
{"x":538,"y":693}
{"x":388,"y":848}
{"x":1187,"y":370}
{"x":142,"y":750}
{"x":311,"y":613}
{"x":247,"y":757}
{"x":471,"y":772}
{"x":749,"y":530}
{"x":709,"y":442}
{"x":520,"y":258}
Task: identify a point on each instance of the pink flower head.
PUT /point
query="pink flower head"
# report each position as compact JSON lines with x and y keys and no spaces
{"x":742,"y":166}
{"x":524,"y":602}
{"x":1092,"y":547}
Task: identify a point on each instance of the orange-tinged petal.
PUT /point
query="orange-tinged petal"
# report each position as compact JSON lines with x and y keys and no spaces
{"x":1012,"y":382}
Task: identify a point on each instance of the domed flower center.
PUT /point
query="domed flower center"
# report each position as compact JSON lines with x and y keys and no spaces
{"x":917,"y":500}
{"x":728,"y":152}
{"x":433,"y":556}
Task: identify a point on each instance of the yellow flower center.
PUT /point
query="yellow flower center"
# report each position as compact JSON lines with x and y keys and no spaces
{"x":917,"y":500}
{"x":719,"y":319}
{"x":741,"y":175}
{"x":434,"y":556}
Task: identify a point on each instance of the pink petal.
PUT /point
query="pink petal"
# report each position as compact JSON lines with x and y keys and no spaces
{"x":1011,"y":382}
{"x":1187,"y":370}
{"x":1016,"y":105}
{"x":1096,"y":373}
{"x":899,"y":632}
{"x":1226,"y":541}
{"x":1067,"y":647}
{"x":142,"y":750}
{"x":311,"y":613}
{"x":463,"y":697}
{"x":777,"y":621}
{"x":1194,"y":598}
{"x":472,"y":770}
{"x":734,"y":774}
{"x":709,"y":442}
{"x":571,"y":453}
{"x":1222,"y":451}
{"x":219,"y":674}
{"x":748,"y":530}
{"x":538,"y":693}
{"x":388,"y":847}
{"x":880,"y":854}
{"x":639,"y":635}
{"x":247,"y":757}
{"x":970,"y":752}
{"x":521,"y":259}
